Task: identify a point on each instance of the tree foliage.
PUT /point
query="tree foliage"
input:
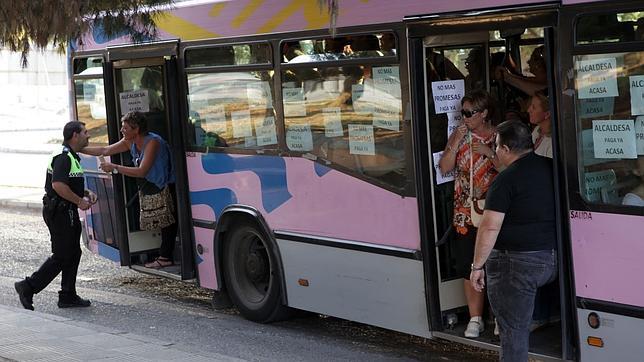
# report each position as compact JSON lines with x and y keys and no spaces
{"x":39,"y":23}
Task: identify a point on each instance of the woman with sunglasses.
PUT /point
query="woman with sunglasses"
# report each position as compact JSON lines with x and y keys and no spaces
{"x":473,"y":141}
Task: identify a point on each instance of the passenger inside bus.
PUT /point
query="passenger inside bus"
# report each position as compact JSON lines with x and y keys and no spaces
{"x":388,"y":44}
{"x":529,"y":85}
{"x":546,"y":306}
{"x":469,"y":150}
{"x":152,"y":81}
{"x":539,"y":111}
{"x":510,"y":99}
{"x":440,"y":68}
{"x":291,"y":50}
{"x":364,"y":46}
{"x":475,"y":65}
{"x":635,"y":197}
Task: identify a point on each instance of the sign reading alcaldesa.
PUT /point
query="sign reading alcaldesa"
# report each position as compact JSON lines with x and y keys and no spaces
{"x":134,"y":101}
{"x":597,"y":78}
{"x":637,"y":94}
{"x":614,"y":139}
{"x":447,"y":95}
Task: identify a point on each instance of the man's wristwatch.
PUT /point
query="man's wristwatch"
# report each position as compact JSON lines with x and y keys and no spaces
{"x":474,"y":268}
{"x":114,"y":171}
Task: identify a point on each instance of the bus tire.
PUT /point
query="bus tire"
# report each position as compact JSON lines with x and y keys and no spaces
{"x":252,"y":275}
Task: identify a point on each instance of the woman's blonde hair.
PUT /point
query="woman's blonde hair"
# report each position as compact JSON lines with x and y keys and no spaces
{"x":542,"y":96}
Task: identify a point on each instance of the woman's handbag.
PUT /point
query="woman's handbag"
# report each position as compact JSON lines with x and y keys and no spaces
{"x":477,"y":205}
{"x":156,"y":210}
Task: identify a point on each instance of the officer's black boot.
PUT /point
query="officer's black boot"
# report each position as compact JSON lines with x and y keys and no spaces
{"x":66,"y":300}
{"x":25,"y":293}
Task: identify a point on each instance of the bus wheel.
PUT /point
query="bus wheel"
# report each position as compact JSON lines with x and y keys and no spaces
{"x":252,"y":275}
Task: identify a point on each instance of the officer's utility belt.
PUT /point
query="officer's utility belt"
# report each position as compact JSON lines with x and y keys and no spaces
{"x":51,"y":204}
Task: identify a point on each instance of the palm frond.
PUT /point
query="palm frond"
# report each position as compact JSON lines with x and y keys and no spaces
{"x":332,"y":7}
{"x":38,"y":24}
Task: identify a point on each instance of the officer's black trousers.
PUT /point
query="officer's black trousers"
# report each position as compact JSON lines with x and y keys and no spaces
{"x":65,"y":230}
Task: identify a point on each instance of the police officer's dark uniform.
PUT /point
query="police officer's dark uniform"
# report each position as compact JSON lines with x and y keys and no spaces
{"x":61,"y":217}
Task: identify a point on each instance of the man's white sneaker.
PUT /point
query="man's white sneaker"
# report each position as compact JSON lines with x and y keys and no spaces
{"x":474,"y":327}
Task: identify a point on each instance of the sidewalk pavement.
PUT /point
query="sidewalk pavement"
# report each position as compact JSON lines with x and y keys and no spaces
{"x":34,"y":336}
{"x":21,"y":197}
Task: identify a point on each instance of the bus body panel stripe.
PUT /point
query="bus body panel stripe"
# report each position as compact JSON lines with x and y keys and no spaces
{"x":337,"y":205}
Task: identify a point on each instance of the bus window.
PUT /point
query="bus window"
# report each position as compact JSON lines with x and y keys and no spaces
{"x":229,"y":55}
{"x":88,"y":66}
{"x":90,"y":97}
{"x":610,"y":117}
{"x":338,"y":48}
{"x":471,"y":62}
{"x":232,"y":109}
{"x":531,"y":39}
{"x":350,"y":116}
{"x":527,"y":52}
{"x":610,"y":28}
{"x":146,"y":84}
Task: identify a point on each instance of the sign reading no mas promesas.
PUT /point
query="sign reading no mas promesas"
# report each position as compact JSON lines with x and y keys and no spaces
{"x":447,"y":95}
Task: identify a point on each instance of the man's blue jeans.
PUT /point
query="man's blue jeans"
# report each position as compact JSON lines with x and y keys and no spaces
{"x":512,"y":281}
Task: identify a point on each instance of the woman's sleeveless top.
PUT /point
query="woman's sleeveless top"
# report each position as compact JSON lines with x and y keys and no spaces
{"x":162,"y":171}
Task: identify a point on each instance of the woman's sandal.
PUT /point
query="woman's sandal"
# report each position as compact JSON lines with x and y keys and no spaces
{"x":159,"y":263}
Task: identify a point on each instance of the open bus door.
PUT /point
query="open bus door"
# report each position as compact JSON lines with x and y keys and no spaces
{"x":457,"y":53}
{"x":450,"y":62}
{"x":142,"y":78}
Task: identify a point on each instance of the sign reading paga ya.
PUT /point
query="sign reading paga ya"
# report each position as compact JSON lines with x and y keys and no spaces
{"x":614,"y":139}
{"x":597,"y":78}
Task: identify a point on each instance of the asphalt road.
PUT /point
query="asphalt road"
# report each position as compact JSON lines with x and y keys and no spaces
{"x":180,"y":312}
{"x":170,"y":310}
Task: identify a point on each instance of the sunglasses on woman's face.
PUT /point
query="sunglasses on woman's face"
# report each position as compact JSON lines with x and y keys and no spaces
{"x":468,"y":114}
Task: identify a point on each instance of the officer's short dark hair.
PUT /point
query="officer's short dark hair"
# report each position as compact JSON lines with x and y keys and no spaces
{"x":515,"y":135}
{"x":70,"y":128}
{"x":136,"y":119}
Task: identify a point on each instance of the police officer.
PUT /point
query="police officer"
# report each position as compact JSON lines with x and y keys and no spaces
{"x":65,"y":194}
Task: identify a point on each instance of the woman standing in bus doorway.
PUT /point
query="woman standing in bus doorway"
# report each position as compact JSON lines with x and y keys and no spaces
{"x":539,"y":111}
{"x":471,"y":144}
{"x":153,"y":170}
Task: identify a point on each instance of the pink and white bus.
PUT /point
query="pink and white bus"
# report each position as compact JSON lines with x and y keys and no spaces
{"x":307,"y":164}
